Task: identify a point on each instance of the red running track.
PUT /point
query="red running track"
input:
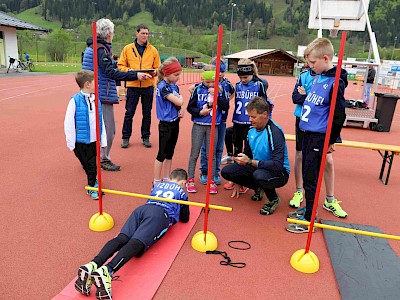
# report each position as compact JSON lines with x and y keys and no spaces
{"x":45,"y":211}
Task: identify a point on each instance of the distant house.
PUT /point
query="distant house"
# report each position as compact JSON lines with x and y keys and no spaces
{"x":268,"y":61}
{"x":8,"y":36}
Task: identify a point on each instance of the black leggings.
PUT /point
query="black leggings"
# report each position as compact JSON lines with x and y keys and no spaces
{"x":126,"y":247}
{"x":229,"y":141}
{"x":239,"y":137}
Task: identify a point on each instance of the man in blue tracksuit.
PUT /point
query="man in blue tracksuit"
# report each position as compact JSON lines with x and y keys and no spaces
{"x":265,"y":162}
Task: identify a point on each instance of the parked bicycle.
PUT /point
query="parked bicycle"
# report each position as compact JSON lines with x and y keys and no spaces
{"x":20,"y":65}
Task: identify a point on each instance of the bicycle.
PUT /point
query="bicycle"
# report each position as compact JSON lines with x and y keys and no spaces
{"x":20,"y":65}
{"x":29,"y":64}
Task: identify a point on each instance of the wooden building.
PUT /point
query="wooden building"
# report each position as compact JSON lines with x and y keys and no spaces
{"x":268,"y":61}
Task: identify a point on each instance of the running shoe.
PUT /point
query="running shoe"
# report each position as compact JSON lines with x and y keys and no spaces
{"x":270,"y":207}
{"x":203,"y":179}
{"x":258,"y":194}
{"x":213,"y":188}
{"x":335,"y":208}
{"x":229,"y":185}
{"x":84,"y":283}
{"x":296,"y":200}
{"x":191,"y":186}
{"x":298,"y":228}
{"x":227,"y":159}
{"x":102,"y":280}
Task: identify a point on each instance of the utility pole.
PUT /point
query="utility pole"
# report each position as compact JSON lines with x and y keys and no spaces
{"x":248,"y":31}
{"x":394,"y":46}
{"x":230,"y":34}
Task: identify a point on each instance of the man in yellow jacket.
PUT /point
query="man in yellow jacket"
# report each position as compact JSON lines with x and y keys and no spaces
{"x":139,"y":55}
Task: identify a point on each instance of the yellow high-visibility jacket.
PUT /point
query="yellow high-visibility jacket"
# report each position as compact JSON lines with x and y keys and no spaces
{"x":131,"y":59}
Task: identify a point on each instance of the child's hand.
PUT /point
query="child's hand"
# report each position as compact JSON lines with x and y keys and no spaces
{"x":301,"y":90}
{"x":205,"y":111}
{"x":181,"y":113}
{"x":211,"y":90}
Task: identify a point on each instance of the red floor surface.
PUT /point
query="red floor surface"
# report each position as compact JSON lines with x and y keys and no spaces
{"x":45,"y":211}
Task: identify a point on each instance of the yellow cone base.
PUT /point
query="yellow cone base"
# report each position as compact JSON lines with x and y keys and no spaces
{"x":102,"y":222}
{"x":305,"y":262}
{"x":198,"y":242}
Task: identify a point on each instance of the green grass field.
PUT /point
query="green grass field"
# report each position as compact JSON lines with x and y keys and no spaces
{"x":57,"y":68}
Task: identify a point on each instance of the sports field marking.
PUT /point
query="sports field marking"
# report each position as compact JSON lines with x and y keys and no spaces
{"x":32,"y":92}
{"x":18,"y":87}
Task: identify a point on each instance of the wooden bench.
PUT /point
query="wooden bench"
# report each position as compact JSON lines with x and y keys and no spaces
{"x":387,"y":153}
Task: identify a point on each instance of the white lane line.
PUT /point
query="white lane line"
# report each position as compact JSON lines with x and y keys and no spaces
{"x":33,"y":92}
{"x":8,"y":88}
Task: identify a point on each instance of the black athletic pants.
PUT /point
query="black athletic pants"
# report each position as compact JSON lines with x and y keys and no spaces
{"x":313,"y":145}
{"x":86,"y":153}
{"x":254,"y":178}
{"x":126,"y":248}
{"x":132,"y":100}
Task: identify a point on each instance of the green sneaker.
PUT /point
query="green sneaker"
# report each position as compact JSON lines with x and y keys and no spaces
{"x":296,"y":200}
{"x":335,"y":208}
{"x":102,"y":280}
{"x":83,"y":284}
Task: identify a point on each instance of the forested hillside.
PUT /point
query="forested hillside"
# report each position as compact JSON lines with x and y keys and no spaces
{"x":290,"y":19}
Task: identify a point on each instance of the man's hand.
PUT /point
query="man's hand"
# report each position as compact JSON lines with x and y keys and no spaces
{"x":143,"y":76}
{"x":241,"y":159}
{"x":236,"y":191}
{"x":153,"y":73}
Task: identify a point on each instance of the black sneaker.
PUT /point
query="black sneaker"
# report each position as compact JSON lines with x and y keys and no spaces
{"x":270,"y":207}
{"x":258,"y":195}
{"x":146,"y":142}
{"x":109,"y":166}
{"x":125,"y":143}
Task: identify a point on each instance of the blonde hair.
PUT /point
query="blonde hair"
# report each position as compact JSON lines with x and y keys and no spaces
{"x":84,"y":76}
{"x":246,"y":61}
{"x":209,"y":68}
{"x":222,"y":59}
{"x":160,"y":75}
{"x":320,"y":47}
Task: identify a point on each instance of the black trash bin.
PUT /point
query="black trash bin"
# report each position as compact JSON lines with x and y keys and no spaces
{"x":385,"y":107}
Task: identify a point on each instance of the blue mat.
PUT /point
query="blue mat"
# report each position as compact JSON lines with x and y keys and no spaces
{"x":365,"y":267}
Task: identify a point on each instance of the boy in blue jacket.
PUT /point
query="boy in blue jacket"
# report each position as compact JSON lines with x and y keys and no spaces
{"x":80,"y":127}
{"x":314,"y":121}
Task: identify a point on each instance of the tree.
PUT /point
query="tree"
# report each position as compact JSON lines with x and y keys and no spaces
{"x":57,"y":45}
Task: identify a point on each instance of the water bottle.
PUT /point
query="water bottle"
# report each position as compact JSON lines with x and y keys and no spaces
{"x":210,"y":100}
